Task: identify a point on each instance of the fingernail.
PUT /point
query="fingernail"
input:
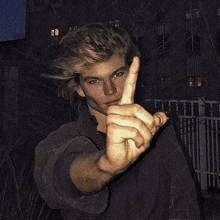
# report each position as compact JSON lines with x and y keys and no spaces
{"x":160,"y":118}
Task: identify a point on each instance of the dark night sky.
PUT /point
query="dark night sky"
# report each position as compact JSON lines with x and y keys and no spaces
{"x":12,"y":19}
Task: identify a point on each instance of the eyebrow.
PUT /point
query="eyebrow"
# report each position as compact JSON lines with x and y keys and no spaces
{"x":94,"y":77}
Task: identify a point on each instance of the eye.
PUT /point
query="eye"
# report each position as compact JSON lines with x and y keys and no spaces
{"x":118,"y":74}
{"x":93,"y":81}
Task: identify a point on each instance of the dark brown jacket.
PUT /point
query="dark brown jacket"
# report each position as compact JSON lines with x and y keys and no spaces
{"x":157,"y":186}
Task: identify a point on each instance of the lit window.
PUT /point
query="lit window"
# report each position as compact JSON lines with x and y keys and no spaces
{"x":195,"y":82}
{"x":198,"y":82}
{"x":54,"y":32}
{"x":190,"y":82}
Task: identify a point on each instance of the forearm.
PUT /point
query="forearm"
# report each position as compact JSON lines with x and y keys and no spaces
{"x":87,"y":172}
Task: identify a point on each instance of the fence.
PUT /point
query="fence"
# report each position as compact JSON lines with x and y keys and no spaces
{"x":199,"y":126}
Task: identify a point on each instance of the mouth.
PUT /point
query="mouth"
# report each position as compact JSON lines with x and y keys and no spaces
{"x":115,"y":102}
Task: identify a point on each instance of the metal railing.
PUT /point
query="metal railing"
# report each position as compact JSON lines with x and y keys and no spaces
{"x":198,"y":122}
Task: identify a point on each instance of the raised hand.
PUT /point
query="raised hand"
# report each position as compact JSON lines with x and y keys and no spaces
{"x":130,"y":127}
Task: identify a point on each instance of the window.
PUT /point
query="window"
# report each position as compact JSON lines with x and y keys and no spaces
{"x":194,"y":66}
{"x":163,"y":28}
{"x":114,"y":23}
{"x":55,"y":36}
{"x":163,"y":44}
{"x":194,"y":72}
{"x":54,"y":32}
{"x":195,"y":82}
{"x":164,"y":71}
{"x":11,"y":95}
{"x":117,"y":23}
{"x":192,"y":44}
{"x":190,"y":81}
{"x":218,"y":43}
{"x":192,"y":14}
{"x":166,"y":81}
{"x":72,"y":28}
{"x":218,"y":11}
{"x":163,"y":35}
{"x":198,"y":82}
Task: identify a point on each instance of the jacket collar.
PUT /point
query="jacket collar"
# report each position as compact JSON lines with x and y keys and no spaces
{"x":87,"y":126}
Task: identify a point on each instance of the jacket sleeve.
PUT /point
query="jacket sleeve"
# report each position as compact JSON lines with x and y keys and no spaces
{"x":52,"y":164}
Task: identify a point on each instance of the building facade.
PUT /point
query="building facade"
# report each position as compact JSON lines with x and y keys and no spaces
{"x":179,"y":42}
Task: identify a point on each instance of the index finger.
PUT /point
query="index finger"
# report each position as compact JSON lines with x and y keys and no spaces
{"x":130,"y":83}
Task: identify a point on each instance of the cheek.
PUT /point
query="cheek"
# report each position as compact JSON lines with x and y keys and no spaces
{"x":94,"y":96}
{"x":120,"y":83}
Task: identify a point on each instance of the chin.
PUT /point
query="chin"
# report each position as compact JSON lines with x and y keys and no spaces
{"x":103,"y":112}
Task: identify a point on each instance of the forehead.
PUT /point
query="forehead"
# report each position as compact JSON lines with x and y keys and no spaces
{"x":105,"y":68}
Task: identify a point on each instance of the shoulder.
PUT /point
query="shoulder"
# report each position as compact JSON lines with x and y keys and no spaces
{"x":68,"y":128}
{"x":168,"y":144}
{"x":166,"y":134}
{"x":65,"y":131}
{"x":58,"y":137}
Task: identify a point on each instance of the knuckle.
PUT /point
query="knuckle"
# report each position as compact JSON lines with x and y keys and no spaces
{"x":149,"y":136}
{"x":108,"y":128}
{"x":109,"y":119}
{"x":147,"y":139}
{"x":111,"y":110}
{"x":111,"y":128}
{"x":136,"y":108}
{"x":140,"y":125}
{"x":151,"y":123}
{"x":134,"y":132}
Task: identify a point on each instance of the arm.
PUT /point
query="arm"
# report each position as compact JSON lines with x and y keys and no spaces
{"x":130,"y":129}
{"x":92,"y":172}
{"x":87,"y":174}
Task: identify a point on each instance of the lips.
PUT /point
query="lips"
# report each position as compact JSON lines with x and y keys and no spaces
{"x":115,"y":102}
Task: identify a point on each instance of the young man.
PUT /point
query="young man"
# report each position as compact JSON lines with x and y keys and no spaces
{"x":117,"y":161}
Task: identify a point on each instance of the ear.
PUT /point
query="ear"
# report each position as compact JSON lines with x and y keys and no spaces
{"x":80,"y":91}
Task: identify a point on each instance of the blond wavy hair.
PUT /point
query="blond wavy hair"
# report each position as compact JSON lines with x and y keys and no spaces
{"x":86,"y":46}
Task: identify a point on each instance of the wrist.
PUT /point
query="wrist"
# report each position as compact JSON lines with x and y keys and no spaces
{"x":105,"y":166}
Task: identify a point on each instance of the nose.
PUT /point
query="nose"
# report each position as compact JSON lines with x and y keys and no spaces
{"x":109,"y":87}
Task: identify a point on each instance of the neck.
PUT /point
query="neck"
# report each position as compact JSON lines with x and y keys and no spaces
{"x":101,"y":119}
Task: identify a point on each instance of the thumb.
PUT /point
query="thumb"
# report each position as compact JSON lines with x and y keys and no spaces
{"x":160,"y":118}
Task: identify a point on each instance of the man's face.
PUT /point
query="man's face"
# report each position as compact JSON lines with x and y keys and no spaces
{"x":103,"y":83}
